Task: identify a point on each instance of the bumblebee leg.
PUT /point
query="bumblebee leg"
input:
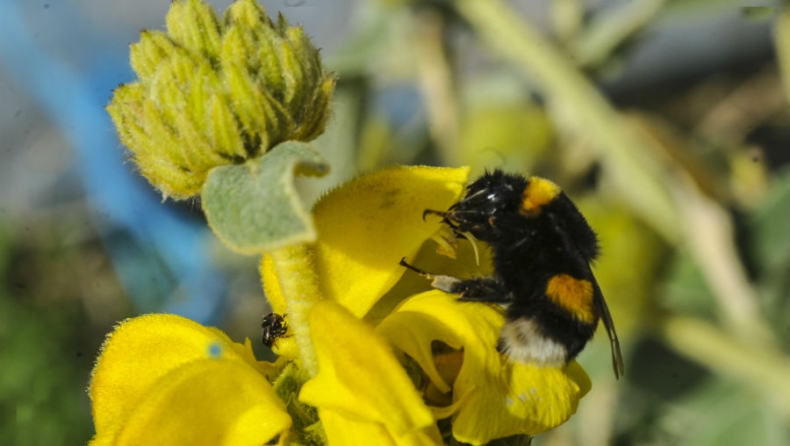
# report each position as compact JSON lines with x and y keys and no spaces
{"x":419,"y":271}
{"x":501,"y":346}
{"x":482,"y":290}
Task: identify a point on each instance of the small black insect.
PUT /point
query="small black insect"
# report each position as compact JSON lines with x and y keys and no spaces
{"x":274,"y":326}
{"x":542,"y":249}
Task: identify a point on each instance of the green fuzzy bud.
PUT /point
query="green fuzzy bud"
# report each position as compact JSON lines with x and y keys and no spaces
{"x":214,"y":92}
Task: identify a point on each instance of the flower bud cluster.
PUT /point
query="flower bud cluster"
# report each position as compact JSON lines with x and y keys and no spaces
{"x":214,"y":91}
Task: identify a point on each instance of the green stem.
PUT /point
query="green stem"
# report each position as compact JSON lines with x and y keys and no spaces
{"x":605,"y":34}
{"x":707,"y":345}
{"x":299,"y":285}
{"x":635,"y":163}
{"x":437,"y":81}
{"x":782,"y":42}
{"x":625,"y":155}
{"x":708,"y":231}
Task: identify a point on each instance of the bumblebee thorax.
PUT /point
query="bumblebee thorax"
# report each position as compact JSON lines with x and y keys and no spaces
{"x":538,"y":193}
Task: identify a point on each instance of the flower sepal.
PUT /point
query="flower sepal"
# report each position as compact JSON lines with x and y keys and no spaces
{"x":254,"y":207}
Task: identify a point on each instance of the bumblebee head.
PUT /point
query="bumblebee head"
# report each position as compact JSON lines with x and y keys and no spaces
{"x":491,"y":196}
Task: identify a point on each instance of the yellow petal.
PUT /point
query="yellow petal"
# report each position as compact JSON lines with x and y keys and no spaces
{"x":366,"y":226}
{"x":436,"y":315}
{"x":492,"y":397}
{"x":521,"y":399}
{"x":206,"y":402}
{"x":267,"y":369}
{"x":343,"y":430}
{"x":431,"y":258}
{"x":142,"y":351}
{"x":360,"y":382}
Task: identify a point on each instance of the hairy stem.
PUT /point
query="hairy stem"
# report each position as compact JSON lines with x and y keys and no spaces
{"x":299,"y":285}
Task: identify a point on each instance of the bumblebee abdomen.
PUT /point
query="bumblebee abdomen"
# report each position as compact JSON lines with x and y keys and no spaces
{"x":524,"y":340}
{"x":573,"y":295}
{"x":556,"y":317}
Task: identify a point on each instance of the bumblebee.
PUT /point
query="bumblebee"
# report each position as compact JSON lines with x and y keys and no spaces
{"x":274,"y":326}
{"x":542,"y":249}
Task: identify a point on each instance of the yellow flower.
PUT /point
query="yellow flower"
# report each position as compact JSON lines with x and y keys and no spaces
{"x":364,"y":228}
{"x":163,"y":379}
{"x":216,"y":92}
{"x":487,"y":396}
{"x":391,"y":361}
{"x":362,"y":393}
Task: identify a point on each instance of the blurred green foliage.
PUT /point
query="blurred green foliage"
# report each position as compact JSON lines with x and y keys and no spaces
{"x":42,"y":387}
{"x":692,"y":213}
{"x":46,"y":342}
{"x":691,"y":209}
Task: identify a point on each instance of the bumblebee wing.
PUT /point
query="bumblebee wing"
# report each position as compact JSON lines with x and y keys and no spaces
{"x":608,"y":323}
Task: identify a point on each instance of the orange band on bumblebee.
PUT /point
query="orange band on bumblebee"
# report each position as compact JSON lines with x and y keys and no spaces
{"x":574,"y":295}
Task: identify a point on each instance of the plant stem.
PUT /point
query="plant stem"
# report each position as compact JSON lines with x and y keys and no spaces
{"x":782,"y":42}
{"x":703,"y":343}
{"x":605,"y":34}
{"x":437,"y":81}
{"x":629,"y":163}
{"x":640,"y":170}
{"x":299,"y":285}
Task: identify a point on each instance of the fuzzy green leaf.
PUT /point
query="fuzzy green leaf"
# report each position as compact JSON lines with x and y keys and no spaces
{"x":254,"y":207}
